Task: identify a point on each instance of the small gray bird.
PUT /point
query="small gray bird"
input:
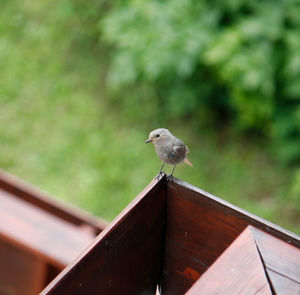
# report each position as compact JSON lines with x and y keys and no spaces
{"x":170,"y":149}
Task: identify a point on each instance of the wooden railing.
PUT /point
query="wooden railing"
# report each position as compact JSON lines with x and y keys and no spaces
{"x":38,"y":236}
{"x":173,"y":238}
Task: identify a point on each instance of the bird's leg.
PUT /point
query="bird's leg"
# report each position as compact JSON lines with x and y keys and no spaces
{"x":160,"y":171}
{"x":161,"y":168}
{"x":171,"y":175}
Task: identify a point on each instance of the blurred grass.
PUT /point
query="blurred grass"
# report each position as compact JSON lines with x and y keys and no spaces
{"x":59,"y":131}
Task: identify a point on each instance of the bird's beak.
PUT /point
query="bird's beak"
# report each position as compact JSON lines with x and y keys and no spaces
{"x":148,"y":140}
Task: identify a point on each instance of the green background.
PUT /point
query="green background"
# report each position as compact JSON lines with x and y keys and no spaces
{"x":83,"y":84}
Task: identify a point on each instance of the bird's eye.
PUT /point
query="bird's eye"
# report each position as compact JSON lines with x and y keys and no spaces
{"x":157,"y":135}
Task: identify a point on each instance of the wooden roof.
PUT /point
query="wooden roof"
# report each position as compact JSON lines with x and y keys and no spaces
{"x":170,"y":235}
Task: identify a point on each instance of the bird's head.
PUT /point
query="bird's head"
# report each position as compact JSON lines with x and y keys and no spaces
{"x":158,"y":135}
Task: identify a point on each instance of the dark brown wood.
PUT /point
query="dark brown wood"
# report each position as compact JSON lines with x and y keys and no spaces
{"x":126,"y":257}
{"x":239,"y":270}
{"x":48,"y":203}
{"x":199,"y":227}
{"x":171,"y":234}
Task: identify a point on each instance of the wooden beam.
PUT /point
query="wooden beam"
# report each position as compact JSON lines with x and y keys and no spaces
{"x":126,"y":257}
{"x":38,"y":232}
{"x":45,"y":201}
{"x":39,"y":236}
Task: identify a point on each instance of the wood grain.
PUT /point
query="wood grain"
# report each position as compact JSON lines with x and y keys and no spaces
{"x":21,"y":273}
{"x":283,"y":285}
{"x":255,"y":263}
{"x":171,"y":233}
{"x":126,"y":257}
{"x":199,"y":227}
{"x":239,"y":270}
{"x":39,"y":236}
{"x":45,"y":201}
{"x":38,"y":232}
{"x":281,"y":260}
{"x":278,"y":256}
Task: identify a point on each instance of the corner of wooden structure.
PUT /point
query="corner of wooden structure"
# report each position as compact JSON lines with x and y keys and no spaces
{"x":125,"y":258}
{"x":199,"y":228}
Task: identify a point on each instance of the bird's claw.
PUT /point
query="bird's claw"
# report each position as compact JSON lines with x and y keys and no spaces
{"x":160,"y":175}
{"x":170,"y":177}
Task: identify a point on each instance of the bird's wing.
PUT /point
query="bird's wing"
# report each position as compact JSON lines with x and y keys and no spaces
{"x":181,"y":149}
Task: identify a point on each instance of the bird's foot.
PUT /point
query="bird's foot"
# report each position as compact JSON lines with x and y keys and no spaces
{"x":160,"y":175}
{"x":170,"y":177}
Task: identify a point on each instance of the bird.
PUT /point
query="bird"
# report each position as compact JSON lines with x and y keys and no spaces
{"x":169,"y":148}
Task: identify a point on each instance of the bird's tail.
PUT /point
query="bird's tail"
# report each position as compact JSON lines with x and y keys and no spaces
{"x":187,"y":161}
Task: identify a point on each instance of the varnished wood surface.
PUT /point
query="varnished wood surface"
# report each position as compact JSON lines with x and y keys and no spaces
{"x":255,"y":263}
{"x":40,"y":233}
{"x":199,"y":227}
{"x":21,"y":273}
{"x":239,"y":270}
{"x":230,"y":209}
{"x":171,"y":234}
{"x":43,"y":200}
{"x":126,"y":257}
{"x":281,"y":261}
{"x":39,"y":236}
{"x":283,"y":285}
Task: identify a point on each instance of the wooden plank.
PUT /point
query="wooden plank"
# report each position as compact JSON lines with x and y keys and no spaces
{"x":199,"y":227}
{"x":20,"y":273}
{"x":278,"y":255}
{"x":281,"y":260}
{"x":126,"y":257}
{"x":48,"y":203}
{"x":34,"y":230}
{"x":239,"y":270}
{"x":242,"y":267}
{"x":283,"y":285}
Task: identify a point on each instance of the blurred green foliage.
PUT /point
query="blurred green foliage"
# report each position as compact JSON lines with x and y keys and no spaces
{"x":82,"y":84}
{"x":235,"y":60}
